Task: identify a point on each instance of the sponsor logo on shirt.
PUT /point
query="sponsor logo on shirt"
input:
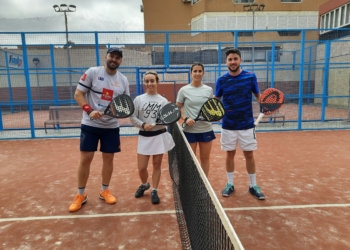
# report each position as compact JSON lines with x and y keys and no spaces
{"x":107,"y":94}
{"x":83,"y":77}
{"x":116,"y":84}
{"x":100,"y":78}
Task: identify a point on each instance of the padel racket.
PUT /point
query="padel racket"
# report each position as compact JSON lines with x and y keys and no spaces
{"x":170,"y":113}
{"x":121,"y":106}
{"x":270,"y":101}
{"x":211,"y":111}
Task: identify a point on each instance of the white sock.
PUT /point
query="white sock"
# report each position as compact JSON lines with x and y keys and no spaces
{"x":145,"y":184}
{"x":252,"y":178}
{"x":81,"y":191}
{"x":104,"y":187}
{"x":230,"y":176}
{"x":154,"y":189}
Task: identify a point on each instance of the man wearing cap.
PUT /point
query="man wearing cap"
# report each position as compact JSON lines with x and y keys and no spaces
{"x":96,"y":89}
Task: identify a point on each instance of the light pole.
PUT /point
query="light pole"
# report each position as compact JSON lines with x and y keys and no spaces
{"x":253,"y":7}
{"x":36,"y":61}
{"x":64,"y":8}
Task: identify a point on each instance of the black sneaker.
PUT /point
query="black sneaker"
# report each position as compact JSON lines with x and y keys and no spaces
{"x":257,"y":193}
{"x":141,"y":190}
{"x":229,"y":189}
{"x":154,"y":197}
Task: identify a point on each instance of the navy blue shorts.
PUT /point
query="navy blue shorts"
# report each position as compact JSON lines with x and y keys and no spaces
{"x":109,"y":139}
{"x":200,"y":137}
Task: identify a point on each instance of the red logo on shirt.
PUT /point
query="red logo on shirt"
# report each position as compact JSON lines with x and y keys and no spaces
{"x":107,"y":94}
{"x":83,"y":77}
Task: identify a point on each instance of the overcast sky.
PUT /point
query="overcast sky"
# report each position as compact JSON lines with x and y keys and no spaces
{"x":90,"y":15}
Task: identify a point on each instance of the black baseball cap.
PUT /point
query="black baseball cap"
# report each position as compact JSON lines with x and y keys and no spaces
{"x":115,"y":49}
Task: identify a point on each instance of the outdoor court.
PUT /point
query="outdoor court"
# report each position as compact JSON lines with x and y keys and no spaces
{"x":304,"y":176}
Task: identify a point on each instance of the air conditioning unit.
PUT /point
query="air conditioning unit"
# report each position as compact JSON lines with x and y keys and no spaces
{"x":186,"y":1}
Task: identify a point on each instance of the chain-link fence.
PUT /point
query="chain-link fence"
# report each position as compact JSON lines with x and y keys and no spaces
{"x":40,"y":70}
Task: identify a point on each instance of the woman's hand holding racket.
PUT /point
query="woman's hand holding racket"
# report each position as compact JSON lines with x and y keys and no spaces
{"x":169,"y":114}
{"x":270,"y":101}
{"x":211,"y":111}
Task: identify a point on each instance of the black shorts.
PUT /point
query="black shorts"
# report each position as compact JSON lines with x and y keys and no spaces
{"x":200,"y":137}
{"x":109,"y":139}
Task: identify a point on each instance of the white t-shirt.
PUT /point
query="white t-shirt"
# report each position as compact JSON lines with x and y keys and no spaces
{"x":192,"y":99}
{"x":146,"y":109}
{"x":100,"y":88}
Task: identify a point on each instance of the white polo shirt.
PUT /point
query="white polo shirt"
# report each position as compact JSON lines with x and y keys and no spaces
{"x":100,"y":88}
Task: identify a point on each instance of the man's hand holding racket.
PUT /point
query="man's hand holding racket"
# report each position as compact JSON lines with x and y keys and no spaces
{"x":270,"y":101}
{"x":94,"y":115}
{"x":121,"y":106}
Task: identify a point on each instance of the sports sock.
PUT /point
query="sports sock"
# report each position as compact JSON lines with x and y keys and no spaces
{"x":252,"y":178}
{"x":81,"y":190}
{"x":145,"y":184}
{"x":104,"y":187}
{"x":230,"y":176}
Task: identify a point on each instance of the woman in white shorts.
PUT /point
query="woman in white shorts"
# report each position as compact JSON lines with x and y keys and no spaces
{"x":153,"y":140}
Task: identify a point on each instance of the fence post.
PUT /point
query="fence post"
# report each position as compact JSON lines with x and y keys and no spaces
{"x":166,"y":51}
{"x":301,"y":79}
{"x":236,"y":39}
{"x":219,"y":62}
{"x":273,"y":51}
{"x":9,"y":80}
{"x":1,"y":126}
{"x":138,"y":90}
{"x":325,"y":79}
{"x":97,"y":51}
{"x":29,"y":93}
{"x":309,"y":76}
{"x":53,"y":72}
{"x":349,"y":101}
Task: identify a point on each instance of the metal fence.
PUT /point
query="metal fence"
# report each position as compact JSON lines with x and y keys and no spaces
{"x":39,"y":71}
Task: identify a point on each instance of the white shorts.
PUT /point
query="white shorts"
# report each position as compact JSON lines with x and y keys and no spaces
{"x":246,"y":139}
{"x":155,"y":145}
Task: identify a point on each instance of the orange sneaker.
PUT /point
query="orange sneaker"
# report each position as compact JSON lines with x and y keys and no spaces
{"x":107,"y":196}
{"x":79,"y":200}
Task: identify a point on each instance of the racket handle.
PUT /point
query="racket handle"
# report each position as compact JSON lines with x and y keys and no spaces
{"x":261,"y":115}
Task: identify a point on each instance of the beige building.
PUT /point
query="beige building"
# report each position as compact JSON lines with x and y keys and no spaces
{"x":229,"y":14}
{"x":212,"y":15}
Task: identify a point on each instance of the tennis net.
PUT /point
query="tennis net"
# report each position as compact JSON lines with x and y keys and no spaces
{"x":202,"y":221}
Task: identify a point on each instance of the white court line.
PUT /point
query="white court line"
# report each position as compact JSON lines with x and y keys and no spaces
{"x":86,"y":216}
{"x":287,"y":207}
{"x":166,"y":212}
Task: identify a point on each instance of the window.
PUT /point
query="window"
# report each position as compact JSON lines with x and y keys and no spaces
{"x":290,"y":1}
{"x":347,"y":13}
{"x":331,"y":20}
{"x":243,"y":1}
{"x":289,"y":33}
{"x":336,"y":18}
{"x":342,"y":13}
{"x":322,"y":22}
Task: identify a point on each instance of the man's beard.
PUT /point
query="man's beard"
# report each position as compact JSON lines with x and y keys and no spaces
{"x":112,"y":68}
{"x":233,"y":71}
